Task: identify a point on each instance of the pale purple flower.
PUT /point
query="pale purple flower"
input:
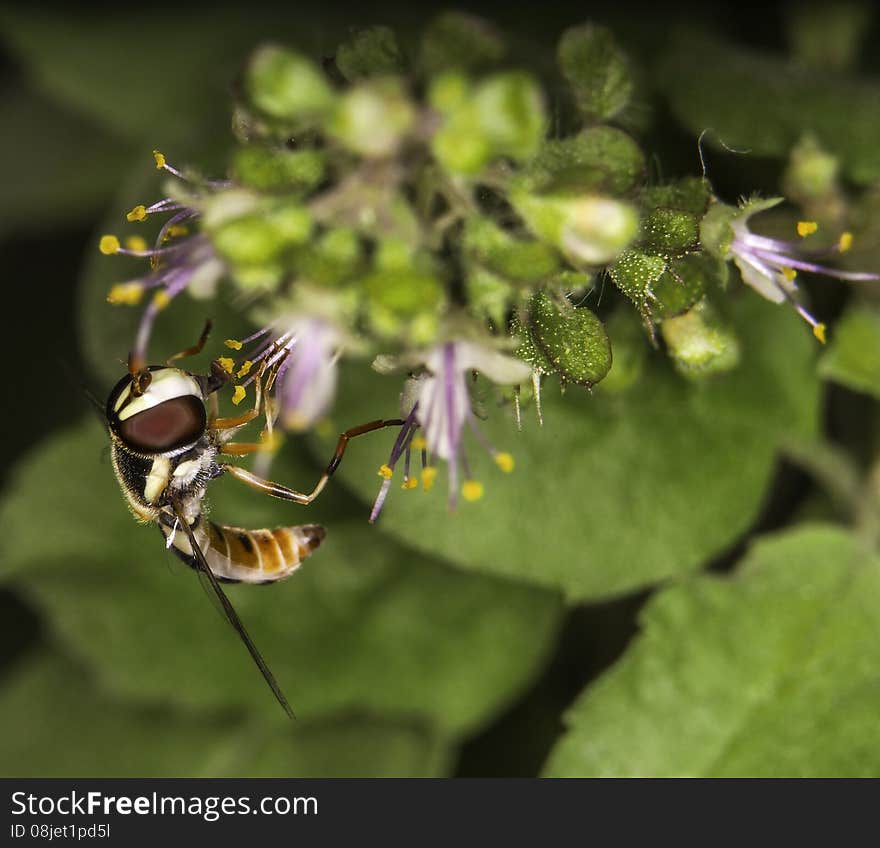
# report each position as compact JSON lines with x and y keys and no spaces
{"x":770,"y":265}
{"x":438,"y":403}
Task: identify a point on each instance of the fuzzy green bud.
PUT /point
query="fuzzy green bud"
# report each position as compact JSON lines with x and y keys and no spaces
{"x":699,"y":343}
{"x":716,"y":234}
{"x":286,"y":86}
{"x":372,"y":118}
{"x":296,"y":171}
{"x":449,"y":91}
{"x":505,"y":116}
{"x":596,"y":70}
{"x":681,"y":285}
{"x":571,"y":341}
{"x":601,"y":160}
{"x":515,"y":259}
{"x":635,"y":274}
{"x":372,"y":51}
{"x":670,"y":231}
{"x":249,"y":240}
{"x":812,"y":172}
{"x":590,"y":230}
{"x":459,"y":41}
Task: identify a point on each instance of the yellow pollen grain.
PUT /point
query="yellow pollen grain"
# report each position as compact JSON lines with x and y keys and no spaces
{"x":176,"y":230}
{"x":160,"y":159}
{"x":233,"y":344}
{"x":136,"y":243}
{"x":226,"y":363}
{"x":410,"y":483}
{"x":806,"y":228}
{"x":161,"y":299}
{"x":504,"y":461}
{"x":429,"y":474}
{"x":238,"y":395}
{"x":789,"y":274}
{"x":819,"y":332}
{"x":385,"y":472}
{"x":129,"y":294}
{"x":139,"y":213}
{"x":845,"y":242}
{"x":245,"y":368}
{"x":108,"y":245}
{"x":472,"y":490}
{"x":419,"y":443}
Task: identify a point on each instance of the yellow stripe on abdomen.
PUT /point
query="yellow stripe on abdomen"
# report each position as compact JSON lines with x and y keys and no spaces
{"x":259,"y":556}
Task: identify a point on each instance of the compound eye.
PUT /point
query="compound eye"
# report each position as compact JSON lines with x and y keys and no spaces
{"x":168,"y":425}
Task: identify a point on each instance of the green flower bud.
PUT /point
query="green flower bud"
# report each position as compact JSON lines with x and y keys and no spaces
{"x":670,"y":231}
{"x":449,"y":91}
{"x":689,"y":194}
{"x":372,"y":118}
{"x":589,"y":230}
{"x":596,"y":70}
{"x":570,"y":341}
{"x":699,"y":343}
{"x":404,"y":292}
{"x":249,"y":240}
{"x":292,"y":222}
{"x":503,"y":117}
{"x":498,"y":251}
{"x":600,"y":159}
{"x":285,"y":85}
{"x":716,"y":235}
{"x":370,"y":52}
{"x":455,"y":40}
{"x":297,"y":171}
{"x":635,"y":274}
{"x":333,"y":260}
{"x":489,"y":295}
{"x":681,"y":285}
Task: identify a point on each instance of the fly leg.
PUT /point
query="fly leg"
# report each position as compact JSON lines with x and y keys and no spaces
{"x":276,"y":490}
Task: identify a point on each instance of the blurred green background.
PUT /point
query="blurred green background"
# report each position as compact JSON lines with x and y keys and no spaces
{"x":609,"y":564}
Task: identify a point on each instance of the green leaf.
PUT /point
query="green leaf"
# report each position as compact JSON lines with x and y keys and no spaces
{"x":630,"y":488}
{"x":772,"y":672}
{"x":60,"y":166}
{"x":66,"y":727}
{"x":372,"y":51}
{"x":765,"y":103}
{"x":455,"y":40}
{"x":596,"y":70}
{"x":365,"y":624}
{"x":138,"y":72}
{"x":853,"y":355}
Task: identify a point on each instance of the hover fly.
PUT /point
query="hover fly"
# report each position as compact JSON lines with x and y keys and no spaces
{"x":168,"y":440}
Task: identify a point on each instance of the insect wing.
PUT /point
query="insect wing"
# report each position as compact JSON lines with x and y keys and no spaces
{"x":214,"y":590}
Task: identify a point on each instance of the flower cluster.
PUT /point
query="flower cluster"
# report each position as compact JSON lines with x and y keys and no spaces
{"x":418,"y":212}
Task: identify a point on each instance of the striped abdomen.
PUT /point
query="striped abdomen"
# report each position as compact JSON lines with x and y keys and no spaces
{"x":248,"y":556}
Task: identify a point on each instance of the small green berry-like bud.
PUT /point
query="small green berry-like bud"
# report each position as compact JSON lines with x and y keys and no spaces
{"x":716,"y":234}
{"x":284,"y":85}
{"x":372,"y":118}
{"x":503,"y":117}
{"x":635,"y":274}
{"x":459,"y":41}
{"x":449,"y":91}
{"x":498,"y":251}
{"x":670,"y":231}
{"x":596,"y":70}
{"x":590,"y":230}
{"x":572,"y":340}
{"x":600,"y":159}
{"x":370,"y":52}
{"x":681,"y":285}
{"x":699,"y":343}
{"x":250,"y":240}
{"x":270,"y":170}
